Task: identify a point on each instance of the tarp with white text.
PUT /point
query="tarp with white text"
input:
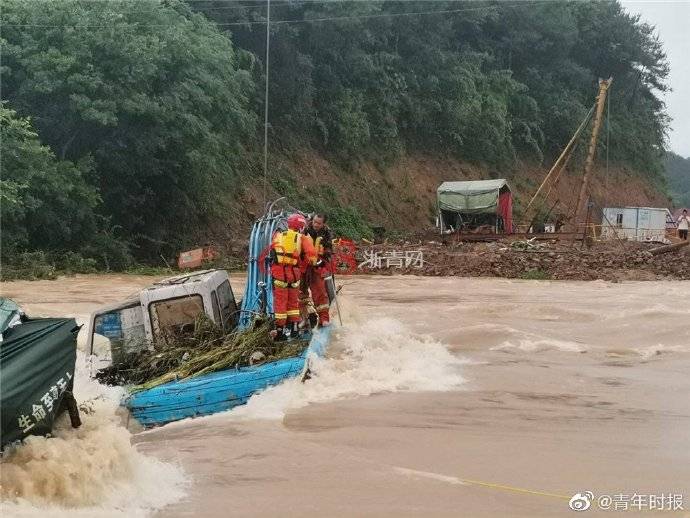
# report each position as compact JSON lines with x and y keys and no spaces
{"x":37,"y":361}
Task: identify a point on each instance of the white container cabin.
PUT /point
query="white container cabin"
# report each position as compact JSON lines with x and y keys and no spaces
{"x":634,"y":223}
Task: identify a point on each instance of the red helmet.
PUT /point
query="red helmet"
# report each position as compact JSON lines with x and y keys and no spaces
{"x":296,"y":222}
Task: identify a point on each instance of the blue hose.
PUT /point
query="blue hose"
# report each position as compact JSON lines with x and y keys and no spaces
{"x":259,"y":240}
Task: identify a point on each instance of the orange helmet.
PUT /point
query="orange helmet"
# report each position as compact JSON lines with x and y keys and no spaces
{"x":296,"y":222}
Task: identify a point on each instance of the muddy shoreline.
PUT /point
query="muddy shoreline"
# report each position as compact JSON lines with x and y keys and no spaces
{"x":541,"y":260}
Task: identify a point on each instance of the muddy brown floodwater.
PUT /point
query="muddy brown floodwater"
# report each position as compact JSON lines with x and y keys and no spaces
{"x":445,"y":397}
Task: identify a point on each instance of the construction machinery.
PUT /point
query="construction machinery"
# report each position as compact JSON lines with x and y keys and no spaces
{"x":578,"y":212}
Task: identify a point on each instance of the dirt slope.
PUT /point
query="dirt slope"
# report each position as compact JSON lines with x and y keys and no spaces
{"x":401,"y":196}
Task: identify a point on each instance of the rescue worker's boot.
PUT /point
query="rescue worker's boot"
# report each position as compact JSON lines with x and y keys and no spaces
{"x":293,"y":328}
{"x":278,"y":334}
{"x":313,"y":320}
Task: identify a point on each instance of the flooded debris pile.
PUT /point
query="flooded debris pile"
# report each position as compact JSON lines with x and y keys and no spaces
{"x":528,"y":245}
{"x":204,"y":351}
{"x":529,"y":259}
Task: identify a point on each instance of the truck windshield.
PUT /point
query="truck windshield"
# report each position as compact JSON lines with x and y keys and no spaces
{"x":175,"y":317}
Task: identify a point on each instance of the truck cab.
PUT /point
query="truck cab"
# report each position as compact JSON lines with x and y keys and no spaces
{"x":165,"y":309}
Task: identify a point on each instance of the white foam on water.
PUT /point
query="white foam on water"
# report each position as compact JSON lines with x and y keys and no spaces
{"x":659,"y":349}
{"x":540,"y":345}
{"x":430,"y":475}
{"x":658,"y":310}
{"x":519,"y":340}
{"x":92,"y":471}
{"x":378,"y":355}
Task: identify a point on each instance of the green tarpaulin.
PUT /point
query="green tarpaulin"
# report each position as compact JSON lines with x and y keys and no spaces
{"x":473,"y":197}
{"x":37,"y":361}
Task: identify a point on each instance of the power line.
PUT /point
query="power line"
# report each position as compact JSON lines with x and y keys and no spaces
{"x":252,"y":4}
{"x":307,"y":20}
{"x":281,"y":3}
{"x":261,"y":2}
{"x":251,"y":8}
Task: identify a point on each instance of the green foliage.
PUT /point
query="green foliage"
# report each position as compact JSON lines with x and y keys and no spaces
{"x":48,"y":209}
{"x":150,"y":270}
{"x":72,"y":262}
{"x":152,"y":92}
{"x":41,"y":265}
{"x":536,"y":275}
{"x":344,"y":221}
{"x":347,"y":132}
{"x":678,"y":176}
{"x":46,"y":203}
{"x":493,"y":84}
{"x":285,"y":184}
{"x":349,"y":222}
{"x":109,"y":249}
{"x":28,"y":266}
{"x":147,"y":112}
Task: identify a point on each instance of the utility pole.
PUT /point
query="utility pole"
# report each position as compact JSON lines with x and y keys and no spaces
{"x":589,"y":163}
{"x":268,"y":47}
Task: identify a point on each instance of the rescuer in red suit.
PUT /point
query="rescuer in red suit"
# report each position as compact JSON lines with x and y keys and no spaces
{"x":320,"y":234}
{"x":290,"y":251}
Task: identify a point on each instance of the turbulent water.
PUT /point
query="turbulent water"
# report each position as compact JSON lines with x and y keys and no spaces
{"x":371,"y":357}
{"x":92,"y":471}
{"x":443,"y":397}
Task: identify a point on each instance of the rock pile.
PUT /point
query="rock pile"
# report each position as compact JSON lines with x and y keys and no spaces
{"x":544,"y":260}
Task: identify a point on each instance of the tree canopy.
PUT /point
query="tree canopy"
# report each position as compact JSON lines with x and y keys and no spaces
{"x":152,"y":92}
{"x":485,"y":81}
{"x":46,"y":203}
{"x":678,"y":178}
{"x":147,"y":110}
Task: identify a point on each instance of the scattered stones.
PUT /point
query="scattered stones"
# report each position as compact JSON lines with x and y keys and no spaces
{"x":611,"y":261}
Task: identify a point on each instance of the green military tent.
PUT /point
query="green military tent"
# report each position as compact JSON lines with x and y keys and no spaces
{"x":37,"y":360}
{"x":467,"y":205}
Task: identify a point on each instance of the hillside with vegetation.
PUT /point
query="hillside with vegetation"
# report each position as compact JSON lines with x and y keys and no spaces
{"x":678,"y":177}
{"x":134,"y":129}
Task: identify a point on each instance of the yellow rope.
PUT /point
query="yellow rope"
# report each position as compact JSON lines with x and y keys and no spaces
{"x":514,"y":489}
{"x":447,"y":478}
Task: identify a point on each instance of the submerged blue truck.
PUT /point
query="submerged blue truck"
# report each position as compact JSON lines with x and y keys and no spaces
{"x":173,"y":305}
